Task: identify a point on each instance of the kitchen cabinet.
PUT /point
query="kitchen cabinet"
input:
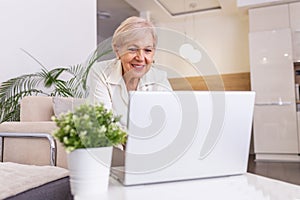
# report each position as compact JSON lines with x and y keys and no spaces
{"x":294,"y":10}
{"x":269,"y":18}
{"x":275,"y":123}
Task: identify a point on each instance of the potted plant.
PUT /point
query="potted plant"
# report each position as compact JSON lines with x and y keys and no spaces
{"x":65,"y":81}
{"x":88,"y":134}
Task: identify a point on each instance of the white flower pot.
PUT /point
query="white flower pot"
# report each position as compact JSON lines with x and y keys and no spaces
{"x":89,"y":171}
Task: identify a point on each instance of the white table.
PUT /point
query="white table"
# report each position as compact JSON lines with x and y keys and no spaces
{"x":242,"y":187}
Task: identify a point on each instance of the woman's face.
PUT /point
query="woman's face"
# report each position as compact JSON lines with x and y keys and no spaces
{"x":137,"y":57}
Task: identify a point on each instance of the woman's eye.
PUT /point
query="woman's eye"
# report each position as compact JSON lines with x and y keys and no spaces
{"x":148,"y":50}
{"x":135,"y":50}
{"x":132,"y":50}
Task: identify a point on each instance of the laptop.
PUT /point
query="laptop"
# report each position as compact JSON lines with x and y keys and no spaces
{"x":184,"y":135}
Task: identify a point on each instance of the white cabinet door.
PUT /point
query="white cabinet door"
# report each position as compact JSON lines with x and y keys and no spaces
{"x":269,"y":18}
{"x":272,"y":71}
{"x":275,"y":130}
{"x":272,"y":77}
{"x":294,"y":9}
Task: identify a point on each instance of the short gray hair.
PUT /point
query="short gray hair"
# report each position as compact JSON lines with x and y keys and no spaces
{"x":130,"y":29}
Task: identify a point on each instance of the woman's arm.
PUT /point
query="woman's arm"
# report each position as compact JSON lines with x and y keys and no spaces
{"x":98,"y":88}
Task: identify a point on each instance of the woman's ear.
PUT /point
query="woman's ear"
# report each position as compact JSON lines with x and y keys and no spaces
{"x":116,"y":50}
{"x":118,"y":54}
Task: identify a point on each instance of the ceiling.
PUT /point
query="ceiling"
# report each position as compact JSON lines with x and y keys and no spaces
{"x":119,"y":10}
{"x":182,"y":7}
{"x":177,"y":8}
{"x":159,"y":10}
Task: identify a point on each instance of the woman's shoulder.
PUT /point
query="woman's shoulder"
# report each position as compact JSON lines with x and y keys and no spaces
{"x":156,"y":79}
{"x":157,"y":73}
{"x":101,"y":65}
{"x":104,"y":67}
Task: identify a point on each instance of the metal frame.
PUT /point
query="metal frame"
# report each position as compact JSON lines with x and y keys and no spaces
{"x":47,"y":136}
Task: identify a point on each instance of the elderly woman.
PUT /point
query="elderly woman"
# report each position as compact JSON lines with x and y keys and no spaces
{"x":134,"y":43}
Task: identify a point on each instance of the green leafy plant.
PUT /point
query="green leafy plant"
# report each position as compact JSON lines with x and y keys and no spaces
{"x":46,"y":83}
{"x":88,"y":126}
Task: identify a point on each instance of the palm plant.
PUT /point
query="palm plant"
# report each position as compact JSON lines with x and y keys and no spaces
{"x":46,"y":83}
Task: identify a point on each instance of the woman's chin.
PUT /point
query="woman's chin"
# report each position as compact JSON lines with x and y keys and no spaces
{"x":138,"y":74}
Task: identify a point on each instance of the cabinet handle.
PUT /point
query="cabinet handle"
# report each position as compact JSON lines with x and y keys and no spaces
{"x":280,"y":103}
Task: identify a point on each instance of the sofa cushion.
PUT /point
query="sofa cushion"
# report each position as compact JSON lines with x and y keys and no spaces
{"x":65,"y":104}
{"x":16,"y":178}
{"x":36,"y":108}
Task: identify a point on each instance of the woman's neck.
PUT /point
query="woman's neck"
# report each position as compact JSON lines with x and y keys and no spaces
{"x":131,"y":83}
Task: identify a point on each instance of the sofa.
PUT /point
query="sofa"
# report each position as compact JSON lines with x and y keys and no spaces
{"x":29,"y":140}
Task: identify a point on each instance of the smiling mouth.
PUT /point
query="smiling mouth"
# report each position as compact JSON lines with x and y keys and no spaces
{"x":138,"y":67}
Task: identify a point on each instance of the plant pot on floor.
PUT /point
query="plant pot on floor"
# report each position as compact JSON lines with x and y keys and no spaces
{"x":89,"y":170}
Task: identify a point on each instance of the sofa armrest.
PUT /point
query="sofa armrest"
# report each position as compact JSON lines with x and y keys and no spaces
{"x":28,"y":127}
{"x":47,"y":136}
{"x":26,"y":150}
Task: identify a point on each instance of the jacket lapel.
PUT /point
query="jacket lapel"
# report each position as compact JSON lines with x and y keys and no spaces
{"x":117,"y":82}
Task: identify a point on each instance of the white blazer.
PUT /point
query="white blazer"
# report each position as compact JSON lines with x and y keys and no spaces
{"x":106,"y":85}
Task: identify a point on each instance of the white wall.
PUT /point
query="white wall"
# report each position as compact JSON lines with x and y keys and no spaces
{"x":223,"y":33}
{"x":56,"y":32}
{"x":224,"y":36}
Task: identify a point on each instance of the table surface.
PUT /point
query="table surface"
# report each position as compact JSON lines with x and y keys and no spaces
{"x":241,"y":187}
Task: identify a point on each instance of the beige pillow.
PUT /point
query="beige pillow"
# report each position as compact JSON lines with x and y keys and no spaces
{"x":65,"y":104}
{"x":36,"y":108}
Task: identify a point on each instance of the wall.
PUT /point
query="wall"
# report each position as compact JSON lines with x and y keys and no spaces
{"x":56,"y":32}
{"x":224,"y":36}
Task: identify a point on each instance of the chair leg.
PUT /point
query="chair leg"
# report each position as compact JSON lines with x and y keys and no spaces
{"x":1,"y":149}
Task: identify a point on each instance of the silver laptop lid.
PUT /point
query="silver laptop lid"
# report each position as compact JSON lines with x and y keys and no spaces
{"x":187,"y":135}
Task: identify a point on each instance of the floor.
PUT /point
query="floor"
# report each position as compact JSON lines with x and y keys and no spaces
{"x":284,"y":171}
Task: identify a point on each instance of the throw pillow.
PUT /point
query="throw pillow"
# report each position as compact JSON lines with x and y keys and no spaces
{"x":65,"y":104}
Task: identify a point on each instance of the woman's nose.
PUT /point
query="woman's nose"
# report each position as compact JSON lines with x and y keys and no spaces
{"x":140,"y":54}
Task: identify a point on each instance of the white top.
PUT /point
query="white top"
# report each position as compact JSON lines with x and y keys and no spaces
{"x":106,"y":85}
{"x":241,"y":187}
